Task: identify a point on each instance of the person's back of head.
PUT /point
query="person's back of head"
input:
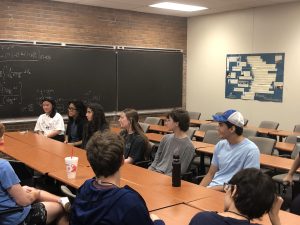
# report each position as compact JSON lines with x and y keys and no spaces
{"x":105,"y":153}
{"x":182,"y":117}
{"x":255,"y":192}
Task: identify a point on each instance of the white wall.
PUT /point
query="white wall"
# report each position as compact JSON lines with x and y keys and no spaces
{"x":260,"y":30}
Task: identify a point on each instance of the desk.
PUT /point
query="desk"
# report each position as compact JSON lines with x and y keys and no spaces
{"x":155,"y":137}
{"x":49,"y":145}
{"x":199,"y":134}
{"x":159,"y":128}
{"x":34,"y":157}
{"x":261,"y":130}
{"x":199,"y":122}
{"x":283,"y":133}
{"x":275,"y":162}
{"x":284,"y":146}
{"x":216,"y":203}
{"x":178,"y":214}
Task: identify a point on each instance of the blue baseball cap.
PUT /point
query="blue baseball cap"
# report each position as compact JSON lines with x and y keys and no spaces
{"x":232,"y":116}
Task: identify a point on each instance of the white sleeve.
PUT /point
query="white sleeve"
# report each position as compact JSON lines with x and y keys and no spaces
{"x":38,"y":124}
{"x":59,"y":123}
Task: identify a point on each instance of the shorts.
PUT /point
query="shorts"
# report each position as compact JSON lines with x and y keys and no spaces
{"x":36,"y":216}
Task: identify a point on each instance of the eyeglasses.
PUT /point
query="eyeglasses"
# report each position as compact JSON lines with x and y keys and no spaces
{"x":71,"y":109}
{"x":227,"y":187}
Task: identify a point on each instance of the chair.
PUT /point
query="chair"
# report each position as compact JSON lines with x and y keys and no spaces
{"x":297,"y":128}
{"x":149,"y":156}
{"x":190,"y":132}
{"x":152,"y":120}
{"x":249,"y":132}
{"x":208,"y":126}
{"x":296,"y":178}
{"x":211,"y":137}
{"x":144,"y":126}
{"x":269,"y":125}
{"x":194,"y":115}
{"x":67,"y":192}
{"x":265,"y":145}
{"x":11,"y":210}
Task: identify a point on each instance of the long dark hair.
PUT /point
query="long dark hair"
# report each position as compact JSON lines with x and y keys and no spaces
{"x":53,"y":103}
{"x":133,"y":117}
{"x":80,"y":108}
{"x":99,"y":122}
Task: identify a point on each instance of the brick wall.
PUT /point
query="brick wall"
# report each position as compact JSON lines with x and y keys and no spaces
{"x":70,"y":23}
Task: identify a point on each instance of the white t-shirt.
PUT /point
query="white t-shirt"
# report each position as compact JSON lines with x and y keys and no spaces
{"x":46,"y":124}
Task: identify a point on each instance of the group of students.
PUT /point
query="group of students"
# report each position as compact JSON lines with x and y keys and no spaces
{"x":235,"y":170}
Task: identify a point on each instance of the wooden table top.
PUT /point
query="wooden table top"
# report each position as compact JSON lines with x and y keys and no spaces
{"x":284,"y":146}
{"x":199,"y":122}
{"x":34,"y":157}
{"x":159,"y":128}
{"x":199,"y":133}
{"x":284,"y":133}
{"x":154,"y":137}
{"x":49,"y":145}
{"x":216,"y":203}
{"x":178,"y":214}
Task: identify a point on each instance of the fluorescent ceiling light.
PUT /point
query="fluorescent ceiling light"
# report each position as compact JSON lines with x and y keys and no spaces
{"x":177,"y":6}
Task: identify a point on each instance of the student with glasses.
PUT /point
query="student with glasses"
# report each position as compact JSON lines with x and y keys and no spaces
{"x":248,"y":195}
{"x":77,"y":120}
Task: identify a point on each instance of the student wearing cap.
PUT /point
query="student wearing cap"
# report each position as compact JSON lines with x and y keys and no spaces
{"x":232,"y":154}
{"x":51,"y":123}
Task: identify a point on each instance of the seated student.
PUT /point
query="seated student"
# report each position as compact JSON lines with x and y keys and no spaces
{"x":100,"y":200}
{"x":40,"y":207}
{"x":96,"y":122}
{"x":295,"y":206}
{"x":177,"y":143}
{"x":233,"y":153}
{"x":51,"y":123}
{"x":248,"y":195}
{"x":136,"y":143}
{"x":77,"y":120}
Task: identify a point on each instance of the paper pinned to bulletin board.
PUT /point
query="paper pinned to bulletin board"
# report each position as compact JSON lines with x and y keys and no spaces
{"x":255,"y":76}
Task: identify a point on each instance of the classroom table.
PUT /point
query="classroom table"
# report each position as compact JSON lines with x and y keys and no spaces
{"x":49,"y":145}
{"x":216,"y":203}
{"x":159,"y":128}
{"x":180,"y":214}
{"x":33,"y":157}
{"x":272,"y":161}
{"x":285,"y":146}
{"x":283,"y":133}
{"x":154,"y":201}
{"x":199,"y":122}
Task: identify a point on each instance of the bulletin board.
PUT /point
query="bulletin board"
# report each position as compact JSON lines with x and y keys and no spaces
{"x":255,"y":76}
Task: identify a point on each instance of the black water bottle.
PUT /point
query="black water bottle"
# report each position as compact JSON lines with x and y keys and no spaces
{"x":176,"y":171}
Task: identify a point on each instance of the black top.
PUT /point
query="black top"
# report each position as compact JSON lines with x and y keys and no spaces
{"x":135,"y":146}
{"x":75,"y":130}
{"x":213,"y":218}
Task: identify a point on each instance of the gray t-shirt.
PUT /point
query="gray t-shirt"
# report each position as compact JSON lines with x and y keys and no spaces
{"x":169,"y":146}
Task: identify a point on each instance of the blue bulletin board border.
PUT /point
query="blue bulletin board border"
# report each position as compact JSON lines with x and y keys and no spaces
{"x":257,"y":76}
